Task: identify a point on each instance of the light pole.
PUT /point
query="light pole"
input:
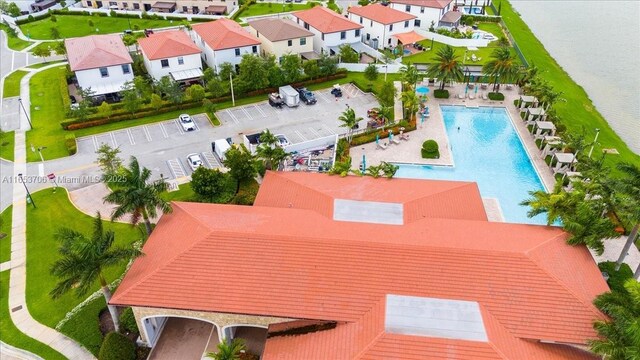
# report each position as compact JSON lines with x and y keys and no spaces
{"x":594,"y":142}
{"x":25,"y":112}
{"x":28,"y":193}
{"x":233,"y":99}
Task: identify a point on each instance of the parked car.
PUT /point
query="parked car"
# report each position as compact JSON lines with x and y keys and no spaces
{"x":194,"y":161}
{"x":307,"y":96}
{"x":282,"y":140}
{"x":275,"y":100}
{"x":186,"y":122}
{"x":336,"y":91}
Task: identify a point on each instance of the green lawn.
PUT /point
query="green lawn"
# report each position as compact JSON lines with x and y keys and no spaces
{"x":426,"y":57}
{"x":14,"y":42}
{"x":11,"y":335}
{"x":493,"y":28}
{"x":78,"y":25}
{"x":7,"y":145}
{"x":43,"y":64}
{"x":55,"y":210}
{"x":271,"y":8}
{"x":44,"y":45}
{"x":577,"y":112}
{"x":5,"y":228}
{"x":12,"y":83}
{"x":184,"y":193}
{"x":84,"y":326}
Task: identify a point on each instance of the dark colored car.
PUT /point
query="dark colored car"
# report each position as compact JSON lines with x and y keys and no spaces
{"x":275,"y":100}
{"x":307,"y":96}
{"x":337,"y":92}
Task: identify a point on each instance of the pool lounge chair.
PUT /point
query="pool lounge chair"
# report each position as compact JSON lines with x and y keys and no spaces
{"x":461,"y":96}
{"x":484,"y":96}
{"x":471,"y":96}
{"x":404,"y":137}
{"x":395,"y":141}
{"x":381,"y":146}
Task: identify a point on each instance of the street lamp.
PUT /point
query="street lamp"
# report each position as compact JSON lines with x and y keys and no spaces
{"x":594,"y":142}
{"x":28,"y":193}
{"x":25,"y":112}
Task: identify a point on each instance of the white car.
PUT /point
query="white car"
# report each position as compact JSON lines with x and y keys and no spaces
{"x":186,"y":122}
{"x":195,"y":161}
{"x":282,"y":140}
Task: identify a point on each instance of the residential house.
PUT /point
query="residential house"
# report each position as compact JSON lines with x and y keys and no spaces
{"x":171,"y":53}
{"x":100,"y":62}
{"x":380,"y":23}
{"x":217,"y":7}
{"x":324,"y":267}
{"x":427,"y":11}
{"x":282,"y":36}
{"x":223,"y":41}
{"x":330,"y":29}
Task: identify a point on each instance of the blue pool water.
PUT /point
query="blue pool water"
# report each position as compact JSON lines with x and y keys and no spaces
{"x":487,"y":150}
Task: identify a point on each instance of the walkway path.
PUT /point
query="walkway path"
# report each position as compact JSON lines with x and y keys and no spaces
{"x":17,"y":283}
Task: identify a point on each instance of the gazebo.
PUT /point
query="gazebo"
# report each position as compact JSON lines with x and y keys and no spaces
{"x":535,"y":114}
{"x":526,"y":101}
{"x":450,"y":19}
{"x":408,"y":38}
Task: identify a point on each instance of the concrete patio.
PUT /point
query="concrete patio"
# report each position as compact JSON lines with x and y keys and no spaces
{"x":186,"y":339}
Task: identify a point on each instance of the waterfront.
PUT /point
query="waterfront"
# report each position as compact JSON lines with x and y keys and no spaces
{"x":600,"y":49}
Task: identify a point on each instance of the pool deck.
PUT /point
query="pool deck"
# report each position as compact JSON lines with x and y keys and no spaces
{"x":408,"y":152}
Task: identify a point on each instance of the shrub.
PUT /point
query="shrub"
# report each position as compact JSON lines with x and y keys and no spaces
{"x":128,"y":321}
{"x":70,"y":143}
{"x":496,"y":96}
{"x":117,"y":347}
{"x":471,"y":19}
{"x":430,"y":150}
{"x":441,"y":94}
{"x":113,"y":13}
{"x":616,"y":278}
{"x":53,"y":18}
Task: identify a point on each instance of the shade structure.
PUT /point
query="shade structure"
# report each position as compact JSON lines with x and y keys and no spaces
{"x":411,"y":37}
{"x":377,"y":139}
{"x":364,"y":163}
{"x":423,"y":90}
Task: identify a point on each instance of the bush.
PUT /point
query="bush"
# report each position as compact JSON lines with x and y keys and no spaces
{"x":128,"y":321}
{"x":70,"y":143}
{"x":117,"y":347}
{"x":430,"y":150}
{"x":496,"y":96}
{"x":616,"y":278}
{"x":441,"y":94}
{"x":471,"y":19}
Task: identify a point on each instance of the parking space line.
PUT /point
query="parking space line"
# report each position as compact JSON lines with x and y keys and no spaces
{"x":146,"y":133}
{"x":132,"y":141}
{"x":300,"y":134}
{"x":164,"y":131}
{"x":328,"y":128}
{"x":195,"y":124}
{"x":176,"y":168}
{"x":211,"y":160}
{"x":260,"y":110}
{"x":179,"y":126}
{"x":233,"y":117}
{"x":95,"y":142}
{"x":324,"y":97}
{"x":247,"y":113}
{"x":315,"y":133}
{"x":113,"y":139}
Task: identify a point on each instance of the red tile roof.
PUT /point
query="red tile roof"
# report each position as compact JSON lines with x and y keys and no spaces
{"x":167,"y":44}
{"x":224,"y":34}
{"x":286,"y":257}
{"x":438,"y":4}
{"x":381,"y":14}
{"x":95,"y":51}
{"x":325,"y":20}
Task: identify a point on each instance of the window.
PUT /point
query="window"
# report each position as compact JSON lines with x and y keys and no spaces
{"x":104,"y":72}
{"x":406,"y":24}
{"x":89,"y":4}
{"x":195,"y":10}
{"x":126,"y":69}
{"x":289,"y":42}
{"x":180,"y":60}
{"x":357,"y":32}
{"x":237,"y":52}
{"x":416,"y":23}
{"x":371,"y":23}
{"x":306,"y":26}
{"x":422,"y":10}
{"x":185,"y":9}
{"x":125,"y":5}
{"x":254,"y":49}
{"x":360,"y":19}
{"x":322,"y":36}
{"x":303,"y":41}
{"x":164,"y":63}
{"x":113,"y":3}
{"x":343,"y":35}
{"x":136,"y":6}
{"x":407,"y":8}
{"x":368,"y":37}
{"x":391,"y":27}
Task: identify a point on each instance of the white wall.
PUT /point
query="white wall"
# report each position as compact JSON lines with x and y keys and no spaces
{"x":155,"y":69}
{"x":382,"y":68}
{"x":91,"y":78}
{"x":218,"y":57}
{"x":380,"y":31}
{"x":333,"y":39}
{"x":425,"y":14}
{"x":453,"y":41}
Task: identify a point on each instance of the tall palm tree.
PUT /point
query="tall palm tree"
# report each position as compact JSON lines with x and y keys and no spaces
{"x":388,"y":169}
{"x":555,"y":204}
{"x":83,"y":260}
{"x":269,"y":152}
{"x":447,"y":66}
{"x":137,"y":196}
{"x":349,"y":120}
{"x":628,"y":189}
{"x":409,"y":74}
{"x":502,"y":67}
{"x":228,"y":351}
{"x":619,"y":336}
{"x":410,"y":104}
{"x":342,"y":168}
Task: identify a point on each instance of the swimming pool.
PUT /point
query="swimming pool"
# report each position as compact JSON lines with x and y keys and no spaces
{"x":487,"y":150}
{"x":477,"y":10}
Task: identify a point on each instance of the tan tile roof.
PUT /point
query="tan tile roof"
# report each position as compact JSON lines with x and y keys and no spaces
{"x":381,"y":14}
{"x":167,"y":44}
{"x":279,"y":29}
{"x":325,"y":20}
{"x":438,"y":4}
{"x":224,"y":34}
{"x":96,"y":51}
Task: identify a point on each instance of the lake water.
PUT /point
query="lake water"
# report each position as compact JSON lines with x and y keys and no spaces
{"x":598,"y":44}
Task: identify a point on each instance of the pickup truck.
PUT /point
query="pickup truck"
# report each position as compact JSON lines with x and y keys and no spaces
{"x":307,"y":96}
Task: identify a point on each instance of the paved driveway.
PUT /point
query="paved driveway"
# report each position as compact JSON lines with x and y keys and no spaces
{"x":184,"y":339}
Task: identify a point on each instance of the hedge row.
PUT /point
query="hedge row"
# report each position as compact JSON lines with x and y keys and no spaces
{"x":242,"y":8}
{"x":370,"y":136}
{"x":441,"y":94}
{"x":70,"y":143}
{"x":496,"y":96}
{"x":471,"y":19}
{"x":144,"y":15}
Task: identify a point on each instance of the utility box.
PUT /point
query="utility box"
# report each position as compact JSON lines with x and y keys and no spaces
{"x":289,"y":95}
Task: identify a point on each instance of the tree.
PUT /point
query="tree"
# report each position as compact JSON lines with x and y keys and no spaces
{"x":385,"y":112}
{"x":350,"y":121}
{"x":130,"y":40}
{"x":269,"y":151}
{"x":216,"y":87}
{"x":55,"y":32}
{"x":105,"y":109}
{"x":371,"y":73}
{"x":156,"y":102}
{"x":311,"y":69}
{"x":196,"y":92}
{"x":410,"y":75}
{"x":387,"y":94}
{"x":241,"y":165}
{"x":388,"y":170}
{"x":291,"y":68}
{"x":207,"y":184}
{"x":60,"y":49}
{"x":131,"y":100}
{"x":13,"y":10}
{"x":84,"y":106}
{"x":226,"y":70}
{"x":620,"y":334}
{"x":327,"y":65}
{"x":275,"y":76}
{"x":108,"y":159}
{"x":4,"y":7}
{"x":410,"y":104}
{"x":228,"y":351}
{"x":208,"y":74}
{"x":446,"y":67}
{"x":84,"y":259}
{"x":502,"y":67}
{"x":42,"y":51}
{"x":342,"y":168}
{"x":346,"y":54}
{"x":253,"y":74}
{"x":209,"y":106}
{"x":138,"y":196}
{"x":169,"y":89}
{"x":142,"y":85}
{"x":628,"y":189}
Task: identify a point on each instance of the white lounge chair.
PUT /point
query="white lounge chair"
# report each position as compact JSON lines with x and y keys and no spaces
{"x":381,"y":146}
{"x":484,"y":96}
{"x":471,"y":96}
{"x":461,"y":96}
{"x":395,"y":141}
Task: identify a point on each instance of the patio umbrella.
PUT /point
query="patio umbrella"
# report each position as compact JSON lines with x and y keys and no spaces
{"x":421,"y":119}
{"x":364,"y":163}
{"x":377,"y":139}
{"x":476,"y":89}
{"x":466,"y":88}
{"x":423,"y":90}
{"x":390,"y":136}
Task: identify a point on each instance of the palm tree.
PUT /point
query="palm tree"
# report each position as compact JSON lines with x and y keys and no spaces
{"x":628,"y":189}
{"x":83,"y":260}
{"x":502,"y":67}
{"x":269,"y":151}
{"x":388,"y":169}
{"x":447,"y":66}
{"x":619,"y":336}
{"x":409,"y":74}
{"x":350,"y":121}
{"x":410,"y":104}
{"x":137,"y":196}
{"x":373,"y":171}
{"x":554,"y":204}
{"x":385,"y":112}
{"x":228,"y":351}
{"x":342,"y":168}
